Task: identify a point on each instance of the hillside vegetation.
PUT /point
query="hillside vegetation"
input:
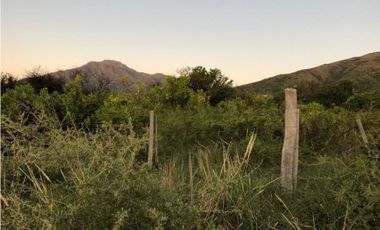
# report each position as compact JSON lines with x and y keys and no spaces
{"x":363,"y":72}
{"x":108,"y":74}
{"x":76,"y":159}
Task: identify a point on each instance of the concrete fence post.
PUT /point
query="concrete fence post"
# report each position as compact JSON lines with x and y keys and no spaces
{"x":289,"y":160}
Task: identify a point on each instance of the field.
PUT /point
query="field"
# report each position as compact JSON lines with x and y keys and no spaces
{"x":78,"y":160}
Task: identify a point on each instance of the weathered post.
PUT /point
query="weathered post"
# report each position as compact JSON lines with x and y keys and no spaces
{"x":289,"y":161}
{"x":296,"y":149}
{"x":191,"y":178}
{"x":156,"y":139}
{"x":364,"y":136}
{"x":151,"y":137}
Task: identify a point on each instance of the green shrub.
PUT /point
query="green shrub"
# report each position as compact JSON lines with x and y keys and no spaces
{"x":72,"y":179}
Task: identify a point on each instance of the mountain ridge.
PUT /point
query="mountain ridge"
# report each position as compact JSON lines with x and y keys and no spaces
{"x":364,"y":71}
{"x":111,"y":74}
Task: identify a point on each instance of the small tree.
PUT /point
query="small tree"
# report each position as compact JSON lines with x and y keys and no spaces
{"x":176,"y":91}
{"x":8,"y":81}
{"x":39,"y":80}
{"x":336,"y":94}
{"x":216,"y":86}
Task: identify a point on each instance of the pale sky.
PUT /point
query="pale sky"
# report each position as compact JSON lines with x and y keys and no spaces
{"x":247,"y":40}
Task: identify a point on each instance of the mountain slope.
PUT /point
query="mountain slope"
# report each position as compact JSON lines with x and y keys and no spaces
{"x":113,"y":75}
{"x":363,"y":71}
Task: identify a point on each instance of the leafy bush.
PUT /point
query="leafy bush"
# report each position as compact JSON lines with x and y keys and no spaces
{"x":71,"y":179}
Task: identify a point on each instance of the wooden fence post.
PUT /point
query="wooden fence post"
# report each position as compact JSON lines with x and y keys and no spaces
{"x":289,"y":160}
{"x":156,"y":139}
{"x":364,"y":136}
{"x":151,"y":137}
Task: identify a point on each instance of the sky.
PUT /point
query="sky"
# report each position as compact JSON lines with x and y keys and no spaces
{"x":247,"y":40}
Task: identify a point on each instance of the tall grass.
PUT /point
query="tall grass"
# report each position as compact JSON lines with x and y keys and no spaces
{"x":56,"y":178}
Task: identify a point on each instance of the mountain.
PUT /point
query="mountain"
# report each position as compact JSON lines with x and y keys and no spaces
{"x":363,"y":71}
{"x":110,"y":74}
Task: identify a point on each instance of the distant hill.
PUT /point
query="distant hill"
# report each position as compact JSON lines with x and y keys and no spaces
{"x":363,"y":71}
{"x":110,"y":74}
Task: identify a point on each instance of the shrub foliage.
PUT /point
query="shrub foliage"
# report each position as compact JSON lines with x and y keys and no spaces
{"x":76,"y":160}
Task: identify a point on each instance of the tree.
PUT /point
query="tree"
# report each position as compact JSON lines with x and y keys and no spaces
{"x":216,"y":86}
{"x":176,"y":91}
{"x":39,"y":80}
{"x":335,"y":94}
{"x":8,"y":81}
